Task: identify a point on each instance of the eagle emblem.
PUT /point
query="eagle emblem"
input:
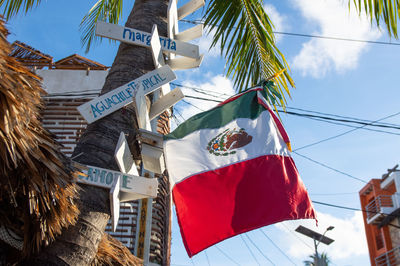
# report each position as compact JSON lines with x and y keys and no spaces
{"x":228,"y":141}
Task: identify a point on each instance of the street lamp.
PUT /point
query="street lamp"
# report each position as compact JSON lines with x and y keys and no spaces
{"x":317,"y":237}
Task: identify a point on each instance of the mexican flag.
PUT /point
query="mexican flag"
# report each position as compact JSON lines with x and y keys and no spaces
{"x":231,"y":172}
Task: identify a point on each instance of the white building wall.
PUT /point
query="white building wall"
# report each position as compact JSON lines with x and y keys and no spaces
{"x":70,"y":81}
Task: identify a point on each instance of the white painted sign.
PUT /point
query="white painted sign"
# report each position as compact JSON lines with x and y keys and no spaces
{"x":165,"y":102}
{"x":172,"y":19}
{"x":130,"y":184}
{"x":118,"y":98}
{"x":151,"y":138}
{"x":184,"y":62}
{"x":189,"y":8}
{"x":142,"y":113}
{"x":153,"y":159}
{"x":158,"y":57}
{"x":190,"y":34}
{"x":123,"y":156}
{"x":114,"y":202}
{"x":141,"y":38}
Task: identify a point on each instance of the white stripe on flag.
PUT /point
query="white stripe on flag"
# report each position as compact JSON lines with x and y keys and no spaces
{"x":189,"y":156}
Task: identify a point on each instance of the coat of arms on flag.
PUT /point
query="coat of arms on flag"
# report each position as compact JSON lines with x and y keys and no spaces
{"x":231,"y":172}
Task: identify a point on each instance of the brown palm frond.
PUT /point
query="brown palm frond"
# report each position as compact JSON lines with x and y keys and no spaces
{"x":112,"y":252}
{"x":37,"y":188}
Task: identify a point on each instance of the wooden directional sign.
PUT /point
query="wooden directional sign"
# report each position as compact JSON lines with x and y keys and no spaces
{"x":114,"y":202}
{"x":158,"y":57}
{"x":123,"y":156}
{"x":189,"y":8}
{"x":151,"y":138}
{"x":172,"y":18}
{"x":118,"y":98}
{"x":190,"y":34}
{"x":142,"y":113}
{"x":141,"y":38}
{"x":152,"y":151}
{"x":141,"y":186}
{"x":184,"y":62}
{"x":165,"y":102}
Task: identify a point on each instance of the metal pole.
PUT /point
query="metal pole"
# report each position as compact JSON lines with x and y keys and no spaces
{"x":316,"y":259}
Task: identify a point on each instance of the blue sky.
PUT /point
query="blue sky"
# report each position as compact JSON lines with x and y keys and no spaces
{"x":338,"y":77}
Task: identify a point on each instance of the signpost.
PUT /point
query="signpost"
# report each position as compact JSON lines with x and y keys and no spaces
{"x":184,"y":62}
{"x":123,"y":156}
{"x":105,"y":178}
{"x":190,"y":34}
{"x":165,"y":102}
{"x":115,"y":202}
{"x":127,"y":185}
{"x":141,"y":38}
{"x":118,"y":98}
{"x":189,"y":8}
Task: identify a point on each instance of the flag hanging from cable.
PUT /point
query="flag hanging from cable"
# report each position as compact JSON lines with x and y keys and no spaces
{"x":231,"y":172}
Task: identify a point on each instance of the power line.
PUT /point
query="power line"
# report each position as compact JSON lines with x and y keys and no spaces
{"x":356,"y":209}
{"x":344,"y":133}
{"x":208,"y":261}
{"x":369,"y":123}
{"x":297,"y":237}
{"x":332,"y":194}
{"x":335,"y":115}
{"x":280,"y":250}
{"x":344,"y":119}
{"x":204,"y":99}
{"x":193,"y":105}
{"x":345,"y":125}
{"x":226,"y":255}
{"x":259,"y":250}
{"x":251,"y":252}
{"x":331,"y":168}
{"x":312,"y":35}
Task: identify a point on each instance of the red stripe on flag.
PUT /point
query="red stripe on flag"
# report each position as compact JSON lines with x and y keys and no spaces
{"x":219,"y":204}
{"x":282,"y":131}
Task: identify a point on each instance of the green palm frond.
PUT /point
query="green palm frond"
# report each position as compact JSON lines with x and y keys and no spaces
{"x":13,"y":7}
{"x":107,"y":10}
{"x":381,"y":10}
{"x":245,"y":36}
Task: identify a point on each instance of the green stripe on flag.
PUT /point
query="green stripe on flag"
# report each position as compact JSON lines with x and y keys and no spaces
{"x":245,"y":106}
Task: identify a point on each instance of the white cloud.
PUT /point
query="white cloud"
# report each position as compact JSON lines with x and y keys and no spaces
{"x":218,"y":88}
{"x":349,"y":236}
{"x":318,"y":56}
{"x":277,"y":19}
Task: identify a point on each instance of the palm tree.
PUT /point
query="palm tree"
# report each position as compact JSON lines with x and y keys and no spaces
{"x":244,"y":34}
{"x":317,"y":260}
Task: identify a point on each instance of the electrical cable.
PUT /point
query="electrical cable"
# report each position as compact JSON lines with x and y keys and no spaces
{"x":204,"y":99}
{"x":341,"y":124}
{"x":332,"y":194}
{"x":251,"y":252}
{"x":259,"y":250}
{"x":341,"y":120}
{"x":344,"y":133}
{"x":327,"y":120}
{"x":273,"y":243}
{"x":334,"y":115}
{"x":331,"y":168}
{"x":226,"y":255}
{"x":356,"y":209}
{"x":208,"y":261}
{"x":301,"y":240}
{"x":193,"y":105}
{"x":311,"y":35}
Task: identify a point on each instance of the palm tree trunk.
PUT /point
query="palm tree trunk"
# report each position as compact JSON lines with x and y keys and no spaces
{"x":78,"y":244}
